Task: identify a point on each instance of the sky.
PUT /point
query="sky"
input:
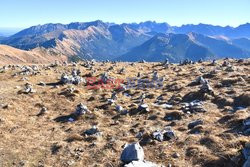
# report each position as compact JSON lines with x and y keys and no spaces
{"x":26,"y":13}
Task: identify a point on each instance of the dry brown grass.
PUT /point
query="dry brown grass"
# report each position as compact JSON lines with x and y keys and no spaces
{"x":10,"y":55}
{"x":29,"y":140}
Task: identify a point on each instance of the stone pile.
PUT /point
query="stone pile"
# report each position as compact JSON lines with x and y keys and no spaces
{"x":193,"y":107}
{"x":81,"y":109}
{"x":28,"y":88}
{"x":155,"y":76}
{"x":206,"y":88}
{"x":105,"y":78}
{"x":186,"y":62}
{"x":75,"y":78}
{"x":94,"y":131}
{"x":163,"y":135}
{"x":165,"y":63}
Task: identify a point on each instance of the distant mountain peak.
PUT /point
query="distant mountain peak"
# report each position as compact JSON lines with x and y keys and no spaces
{"x":101,"y":40}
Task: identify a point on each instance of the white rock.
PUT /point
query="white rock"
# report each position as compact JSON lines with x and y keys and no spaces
{"x":141,"y":164}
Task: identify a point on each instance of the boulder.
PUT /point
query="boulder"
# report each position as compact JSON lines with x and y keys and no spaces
{"x":132,"y":152}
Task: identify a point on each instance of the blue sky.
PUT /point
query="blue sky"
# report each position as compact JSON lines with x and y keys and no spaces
{"x":25,"y":13}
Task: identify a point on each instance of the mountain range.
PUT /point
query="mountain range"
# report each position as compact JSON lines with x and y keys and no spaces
{"x":149,"y":40}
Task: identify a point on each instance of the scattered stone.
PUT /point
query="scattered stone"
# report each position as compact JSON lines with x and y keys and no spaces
{"x":132,"y":152}
{"x":214,"y":63}
{"x":193,"y":107}
{"x":64,"y":79}
{"x":166,"y":134}
{"x":75,"y":72}
{"x":143,"y":108}
{"x":167,"y":106}
{"x":199,"y":80}
{"x":165,"y":63}
{"x":155,"y":76}
{"x":139,"y":135}
{"x":186,"y":62}
{"x":142,"y":61}
{"x":195,"y":123}
{"x":122,"y":71}
{"x":206,"y":88}
{"x":42,"y":111}
{"x":230,"y":69}
{"x":74,"y":79}
{"x":176,"y":115}
{"x":119,"y":108}
{"x":176,"y":155}
{"x":93,"y":132}
{"x":138,"y":75}
{"x":42,"y":83}
{"x":81,"y":109}
{"x":105,"y":78}
{"x":158,"y":135}
{"x":28,"y":88}
{"x":226,"y":64}
{"x":114,"y":96}
{"x":111,"y":101}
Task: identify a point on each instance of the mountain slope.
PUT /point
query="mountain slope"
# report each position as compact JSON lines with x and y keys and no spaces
{"x":175,"y":47}
{"x":96,"y":40}
{"x":211,"y":30}
{"x":151,"y":27}
{"x":220,"y":48}
{"x":243,"y":43}
{"x":10,"y":55}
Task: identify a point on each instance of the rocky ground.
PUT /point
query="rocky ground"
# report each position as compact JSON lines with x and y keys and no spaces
{"x":176,"y":115}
